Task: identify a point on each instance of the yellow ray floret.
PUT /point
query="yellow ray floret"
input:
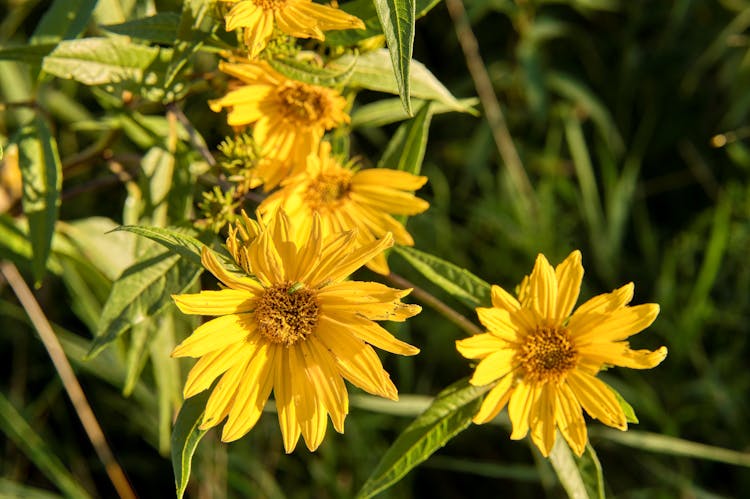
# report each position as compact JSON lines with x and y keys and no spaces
{"x":543,"y":361}
{"x":289,"y":116}
{"x":345,"y":199}
{"x":297,"y":18}
{"x":293,"y":326}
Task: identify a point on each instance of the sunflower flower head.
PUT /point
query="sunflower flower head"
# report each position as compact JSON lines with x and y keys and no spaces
{"x":289,"y":117}
{"x":297,"y":18}
{"x":346,"y":198}
{"x":543,"y":358}
{"x":293,"y":326}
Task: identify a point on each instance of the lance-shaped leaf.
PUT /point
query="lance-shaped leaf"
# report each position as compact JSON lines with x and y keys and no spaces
{"x":460,"y":283}
{"x":448,"y":415}
{"x":142,"y":292}
{"x":581,"y":477}
{"x":397,"y":19}
{"x":42,"y":181}
{"x":302,"y":71}
{"x":65,"y":19}
{"x":406,"y":149}
{"x":178,"y":242}
{"x":159,"y":28}
{"x":185,"y":438}
{"x":373,"y":71}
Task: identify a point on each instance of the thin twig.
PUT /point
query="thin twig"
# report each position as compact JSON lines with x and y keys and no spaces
{"x":435,"y":303}
{"x":486,"y":92}
{"x":69,"y":380}
{"x":195,"y":138}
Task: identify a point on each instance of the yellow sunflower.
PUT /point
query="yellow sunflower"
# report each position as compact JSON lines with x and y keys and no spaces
{"x":298,"y":18}
{"x":544,"y":361}
{"x":289,"y":116}
{"x":293,"y":325}
{"x":346,"y":198}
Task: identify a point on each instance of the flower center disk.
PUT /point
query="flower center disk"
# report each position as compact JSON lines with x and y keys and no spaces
{"x":547,"y":354}
{"x":328,"y":189}
{"x":302,"y":104}
{"x":287,"y":313}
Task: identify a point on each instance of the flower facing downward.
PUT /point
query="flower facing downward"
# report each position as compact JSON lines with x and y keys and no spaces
{"x":296,"y":327}
{"x":544,"y":361}
{"x":290,"y":117}
{"x":347,"y":199}
{"x":297,"y":18}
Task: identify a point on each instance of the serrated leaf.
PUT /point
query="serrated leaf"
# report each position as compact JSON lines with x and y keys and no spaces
{"x":387,"y":111}
{"x":185,"y":439}
{"x":448,"y":415}
{"x":65,"y":19}
{"x":373,"y":71}
{"x":159,"y":28}
{"x":365,"y":10}
{"x":406,"y":149}
{"x":42,"y":181}
{"x":142,"y":292}
{"x":181,"y":243}
{"x":460,"y":283}
{"x":110,"y":61}
{"x":397,"y":18}
{"x":302,"y":71}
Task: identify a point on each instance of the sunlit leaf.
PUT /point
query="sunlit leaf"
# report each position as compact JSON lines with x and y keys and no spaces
{"x":406,"y":149}
{"x":159,"y":28}
{"x":185,"y":438}
{"x":397,"y":19}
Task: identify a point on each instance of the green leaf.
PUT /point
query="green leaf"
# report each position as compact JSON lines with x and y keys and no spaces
{"x":387,"y":111}
{"x":460,"y":283}
{"x":20,"y":432}
{"x":9,"y":488}
{"x":142,"y":292}
{"x":406,"y":149}
{"x":64,"y":20}
{"x":580,"y":477}
{"x":185,"y":438}
{"x":42,"y":181}
{"x":397,"y":18}
{"x":116,"y":62}
{"x":30,"y":54}
{"x":302,"y":71}
{"x":373,"y":71}
{"x":448,"y":415}
{"x":159,"y":28}
{"x":178,"y":242}
{"x":630,"y":416}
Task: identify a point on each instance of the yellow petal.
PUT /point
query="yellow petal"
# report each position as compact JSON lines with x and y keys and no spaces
{"x":499,"y":323}
{"x":256,"y":39}
{"x":606,"y":302}
{"x":255,"y":388}
{"x":569,"y":417}
{"x":215,"y":334}
{"x":480,"y":346}
{"x":243,"y":15}
{"x":569,"y":275}
{"x":493,"y":367}
{"x":503,"y":299}
{"x":358,"y":363}
{"x":329,"y":18}
{"x":597,"y":399}
{"x":292,"y":23}
{"x":226,"y":301}
{"x":284,"y":395}
{"x":236,"y":282}
{"x":620,"y":354}
{"x":219,"y":403}
{"x":615,"y":326}
{"x":396,"y":179}
{"x":214,"y":364}
{"x":495,"y":400}
{"x":543,"y":419}
{"x":325,"y":378}
{"x":522,"y":400}
{"x":365,"y":330}
{"x":311,"y":415}
{"x":543,"y":289}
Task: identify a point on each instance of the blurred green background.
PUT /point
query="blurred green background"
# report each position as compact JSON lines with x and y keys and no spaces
{"x":631,"y":120}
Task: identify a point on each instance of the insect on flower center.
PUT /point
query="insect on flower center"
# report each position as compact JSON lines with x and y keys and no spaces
{"x":270,"y":4}
{"x":287,"y":313}
{"x":303,"y":104}
{"x":328,"y":190}
{"x":547,"y":354}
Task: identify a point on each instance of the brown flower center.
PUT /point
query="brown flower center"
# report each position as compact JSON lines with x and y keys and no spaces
{"x":287,"y":313}
{"x":303,"y":104}
{"x":547,"y":354}
{"x":329,"y":190}
{"x":270,"y":4}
